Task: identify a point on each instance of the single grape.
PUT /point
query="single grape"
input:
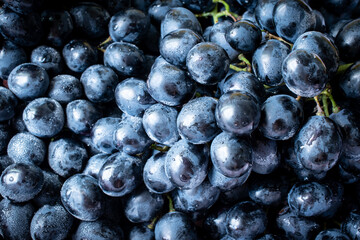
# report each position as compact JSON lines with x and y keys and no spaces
{"x":82,"y":197}
{"x":304,"y":73}
{"x":65,"y":88}
{"x":175,"y":225}
{"x":51,"y":222}
{"x":186,"y":164}
{"x":196,"y":121}
{"x":21,"y":182}
{"x":120,"y":174}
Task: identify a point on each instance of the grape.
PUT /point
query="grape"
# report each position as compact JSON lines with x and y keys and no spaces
{"x":8,"y":103}
{"x":58,"y":25}
{"x":169,"y":85}
{"x":90,"y":19}
{"x":268,"y":190}
{"x":237,"y":113}
{"x":244,"y":82}
{"x":199,"y":198}
{"x":66,"y":156}
{"x":102,"y":134}
{"x":154,"y":174}
{"x":141,"y":232}
{"x":129,"y":25}
{"x":196,"y":121}
{"x":143,"y":206}
{"x":217,"y":36}
{"x":26,"y":148}
{"x":82,"y":197}
{"x":50,"y":192}
{"x":120,"y":174}
{"x":28,"y":81}
{"x":345,"y":40}
{"x":11,"y":56}
{"x":224,"y":183}
{"x":263,"y":13}
{"x":15,"y":219}
{"x":159,"y":8}
{"x":243,"y":36}
{"x":132,"y":96}
{"x":24,"y":30}
{"x":48,"y":58}
{"x":214,"y":223}
{"x":79,"y":55}
{"x":179,"y":17}
{"x":322,"y":46}
{"x":130,"y":137}
{"x":65,"y":88}
{"x":99,"y":83}
{"x":21,"y":182}
{"x":159,"y":122}
{"x":350,"y":225}
{"x":231,"y":155}
{"x":304,"y":73}
{"x":207,"y":63}
{"x":296,"y":227}
{"x":98,"y":230}
{"x":245,"y":220}
{"x":175,"y":225}
{"x":174,"y":46}
{"x":125,"y":59}
{"x":81,"y":116}
{"x":332,"y":234}
{"x":292,"y":18}
{"x":265,"y":154}
{"x":94,"y":164}
{"x":51,"y":222}
{"x":318,"y":144}
{"x":186,"y":164}
{"x":281,"y":117}
{"x":267,"y":61}
{"x":349,"y":82}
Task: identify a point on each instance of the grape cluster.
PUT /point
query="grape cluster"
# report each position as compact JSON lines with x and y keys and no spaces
{"x":180,"y":119}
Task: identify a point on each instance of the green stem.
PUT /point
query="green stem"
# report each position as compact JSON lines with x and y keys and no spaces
{"x":319,"y":111}
{"x":342,"y":68}
{"x":171,"y":204}
{"x":327,"y":93}
{"x":235,"y":68}
{"x":105,"y":42}
{"x":324,"y":99}
{"x":243,"y":61}
{"x":153,"y":222}
{"x":226,"y":5}
{"x":159,"y":148}
{"x":242,"y":58}
{"x":272,"y":36}
{"x":215,"y":14}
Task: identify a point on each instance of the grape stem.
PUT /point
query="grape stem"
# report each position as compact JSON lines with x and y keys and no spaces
{"x":320,"y":111}
{"x":272,"y":36}
{"x":243,"y":62}
{"x":171,"y":204}
{"x":327,"y":93}
{"x":153,"y":222}
{"x":100,"y":46}
{"x":159,"y":148}
{"x":324,"y":99}
{"x":215,"y":14}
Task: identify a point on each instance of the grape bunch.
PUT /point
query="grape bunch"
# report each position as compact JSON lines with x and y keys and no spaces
{"x":180,"y":119}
